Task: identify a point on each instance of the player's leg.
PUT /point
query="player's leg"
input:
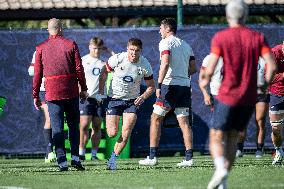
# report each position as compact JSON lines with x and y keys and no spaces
{"x":96,"y":136}
{"x":240,"y":143}
{"x":261,"y":109}
{"x":276,"y":116}
{"x":71,"y":108}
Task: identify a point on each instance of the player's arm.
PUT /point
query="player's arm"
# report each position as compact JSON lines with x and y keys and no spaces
{"x":38,"y":74}
{"x":271,"y":68}
{"x":162,"y":72}
{"x":150,"y":83}
{"x":102,"y":80}
{"x":192,"y":66}
{"x":206,"y":95}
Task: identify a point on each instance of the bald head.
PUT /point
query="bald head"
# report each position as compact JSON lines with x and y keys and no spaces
{"x":54,"y":26}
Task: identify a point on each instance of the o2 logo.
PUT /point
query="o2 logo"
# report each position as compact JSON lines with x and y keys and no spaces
{"x":127,"y":79}
{"x":96,"y":71}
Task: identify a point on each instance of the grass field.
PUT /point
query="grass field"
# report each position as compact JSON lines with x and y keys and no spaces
{"x":248,"y":173}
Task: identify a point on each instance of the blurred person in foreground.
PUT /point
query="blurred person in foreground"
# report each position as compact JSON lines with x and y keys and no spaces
{"x":47,"y":131}
{"x":92,"y":110}
{"x":173,"y":91}
{"x":276,"y":106}
{"x":240,"y":48}
{"x":58,"y":60}
{"x":129,"y":68}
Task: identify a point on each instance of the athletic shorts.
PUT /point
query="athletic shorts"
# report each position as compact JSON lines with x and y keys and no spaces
{"x":276,"y":105}
{"x":91,"y":107}
{"x":227,"y":117}
{"x":263,"y":98}
{"x":174,"y":96}
{"x":118,"y":106}
{"x":42,"y":97}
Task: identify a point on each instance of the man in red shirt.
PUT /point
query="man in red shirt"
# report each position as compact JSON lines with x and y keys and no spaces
{"x":240,"y":48}
{"x":58,"y":60}
{"x":276,"y":106}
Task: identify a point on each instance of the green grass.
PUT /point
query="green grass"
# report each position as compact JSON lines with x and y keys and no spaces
{"x":248,"y":173}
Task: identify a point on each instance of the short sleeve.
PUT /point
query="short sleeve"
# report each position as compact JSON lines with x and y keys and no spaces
{"x":164,"y":47}
{"x":215,"y":45}
{"x":205,"y":61}
{"x":148,"y":72}
{"x":112,"y":62}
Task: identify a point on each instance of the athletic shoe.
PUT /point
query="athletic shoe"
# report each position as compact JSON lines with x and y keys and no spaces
{"x":277,"y":158}
{"x":82,"y":157}
{"x":239,"y":154}
{"x":258,"y":154}
{"x":218,"y":178}
{"x":185,"y":163}
{"x":148,"y":161}
{"x":77,"y":165}
{"x":63,"y":166}
{"x":51,"y":157}
{"x":111,"y":164}
{"x":223,"y":185}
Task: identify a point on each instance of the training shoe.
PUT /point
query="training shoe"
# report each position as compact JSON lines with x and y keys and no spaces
{"x":277,"y":158}
{"x":148,"y":161}
{"x":239,"y":154}
{"x":63,"y":166}
{"x":218,"y":178}
{"x":223,"y":185}
{"x":51,"y":157}
{"x":82,"y":157}
{"x":185,"y":163}
{"x":258,"y":154}
{"x":111,"y":164}
{"x":77,"y":165}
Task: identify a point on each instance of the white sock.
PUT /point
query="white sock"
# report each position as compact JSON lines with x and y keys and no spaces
{"x":94,"y":152}
{"x":82,"y":151}
{"x":219,"y":163}
{"x":76,"y":158}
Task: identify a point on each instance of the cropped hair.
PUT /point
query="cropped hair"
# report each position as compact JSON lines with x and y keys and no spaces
{"x":237,"y":11}
{"x":171,"y":23}
{"x":96,"y":41}
{"x":135,"y":42}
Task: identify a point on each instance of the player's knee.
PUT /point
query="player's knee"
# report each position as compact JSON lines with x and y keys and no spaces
{"x":276,"y":124}
{"x":182,"y":112}
{"x":160,"y":111}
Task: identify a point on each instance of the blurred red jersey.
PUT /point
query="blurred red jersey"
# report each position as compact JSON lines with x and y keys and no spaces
{"x":240,"y":48}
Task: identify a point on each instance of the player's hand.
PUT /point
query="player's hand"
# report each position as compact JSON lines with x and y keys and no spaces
{"x":100,"y":97}
{"x":207,"y":100}
{"x":83,"y":96}
{"x":158,"y":93}
{"x":262,"y":88}
{"x":139,"y":100}
{"x":37,"y":103}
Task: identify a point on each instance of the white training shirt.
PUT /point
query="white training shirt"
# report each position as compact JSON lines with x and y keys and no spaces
{"x":260,"y":73}
{"x":31,"y":73}
{"x":92,"y":68}
{"x":180,"y":53}
{"x":217,"y":77}
{"x":127,"y":76}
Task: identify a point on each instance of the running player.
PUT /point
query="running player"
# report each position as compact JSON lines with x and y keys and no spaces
{"x":129,"y":68}
{"x":92,"y":109}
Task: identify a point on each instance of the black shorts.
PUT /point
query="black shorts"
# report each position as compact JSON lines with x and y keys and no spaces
{"x":263,"y":98}
{"x":91,"y":107}
{"x":118,"y":106}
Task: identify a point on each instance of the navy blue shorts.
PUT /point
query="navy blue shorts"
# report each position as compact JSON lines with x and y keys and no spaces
{"x":118,"y":106}
{"x":276,"y":105}
{"x":42,"y":97}
{"x":227,"y":117}
{"x":263,"y":98}
{"x":91,"y":107}
{"x":175,"y":96}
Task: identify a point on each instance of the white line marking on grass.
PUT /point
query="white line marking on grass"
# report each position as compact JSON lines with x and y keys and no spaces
{"x":11,"y":187}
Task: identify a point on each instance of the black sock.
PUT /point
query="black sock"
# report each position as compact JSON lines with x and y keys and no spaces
{"x":153,"y":152}
{"x":188,"y":154}
{"x":259,"y":146}
{"x":48,"y":140}
{"x":241,"y":146}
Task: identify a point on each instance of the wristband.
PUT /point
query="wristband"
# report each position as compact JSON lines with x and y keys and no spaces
{"x":159,"y":86}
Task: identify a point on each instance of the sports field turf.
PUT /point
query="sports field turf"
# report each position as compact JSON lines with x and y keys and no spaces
{"x":248,"y":173}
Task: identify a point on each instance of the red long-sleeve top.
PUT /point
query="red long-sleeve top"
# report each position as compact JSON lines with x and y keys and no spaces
{"x":58,"y":60}
{"x":277,"y":84}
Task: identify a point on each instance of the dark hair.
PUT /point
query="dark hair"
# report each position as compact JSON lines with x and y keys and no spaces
{"x":135,"y":41}
{"x":171,"y":23}
{"x":96,"y":41}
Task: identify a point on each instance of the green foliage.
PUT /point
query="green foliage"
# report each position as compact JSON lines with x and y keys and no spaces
{"x":248,"y":172}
